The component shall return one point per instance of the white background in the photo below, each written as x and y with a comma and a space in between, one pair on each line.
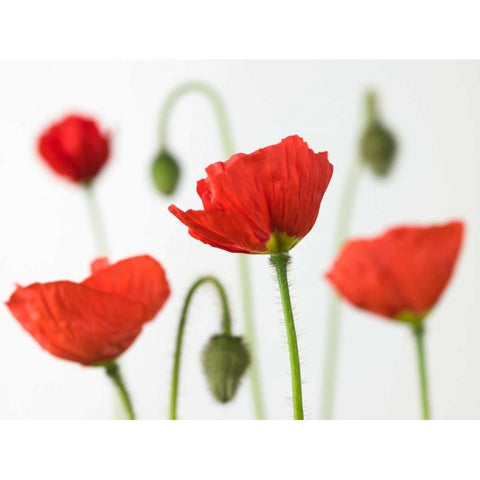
433, 107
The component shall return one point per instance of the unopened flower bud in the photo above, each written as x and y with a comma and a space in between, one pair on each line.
225, 359
165, 173
377, 144
378, 148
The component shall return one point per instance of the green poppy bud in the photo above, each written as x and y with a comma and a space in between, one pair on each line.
165, 173
378, 148
225, 359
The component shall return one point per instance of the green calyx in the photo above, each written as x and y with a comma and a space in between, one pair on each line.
280, 242
165, 173
411, 318
225, 359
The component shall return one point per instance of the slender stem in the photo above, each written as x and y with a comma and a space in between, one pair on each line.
280, 262
217, 104
371, 104
246, 287
243, 263
96, 220
113, 371
226, 328
419, 334
332, 336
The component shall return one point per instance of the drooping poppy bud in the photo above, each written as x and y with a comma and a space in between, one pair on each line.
225, 360
165, 172
262, 202
377, 144
75, 148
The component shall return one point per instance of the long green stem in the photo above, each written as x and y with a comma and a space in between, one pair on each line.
243, 264
96, 221
226, 328
280, 262
332, 337
419, 334
113, 371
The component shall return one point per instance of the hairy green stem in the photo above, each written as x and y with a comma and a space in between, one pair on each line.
280, 262
96, 221
243, 263
419, 335
113, 371
226, 328
332, 337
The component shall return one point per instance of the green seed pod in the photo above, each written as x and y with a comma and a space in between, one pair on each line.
378, 148
165, 173
225, 360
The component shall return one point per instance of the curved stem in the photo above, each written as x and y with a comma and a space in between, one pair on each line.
419, 334
243, 263
113, 371
226, 328
280, 262
332, 336
96, 221
216, 102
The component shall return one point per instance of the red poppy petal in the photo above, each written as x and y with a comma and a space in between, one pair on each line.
52, 153
361, 279
77, 323
99, 264
224, 230
141, 279
430, 253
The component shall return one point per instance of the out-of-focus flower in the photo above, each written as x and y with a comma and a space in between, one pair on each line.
96, 320
400, 274
75, 148
263, 202
165, 173
225, 359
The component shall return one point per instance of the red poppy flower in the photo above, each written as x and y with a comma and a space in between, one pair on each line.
98, 319
400, 274
263, 202
75, 148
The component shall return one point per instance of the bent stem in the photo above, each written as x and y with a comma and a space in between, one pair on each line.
280, 262
419, 334
96, 220
226, 328
213, 97
332, 337
243, 264
113, 371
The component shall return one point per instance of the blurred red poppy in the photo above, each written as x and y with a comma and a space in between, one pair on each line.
75, 148
262, 202
98, 319
400, 274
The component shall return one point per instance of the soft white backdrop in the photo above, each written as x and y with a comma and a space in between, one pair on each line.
434, 108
